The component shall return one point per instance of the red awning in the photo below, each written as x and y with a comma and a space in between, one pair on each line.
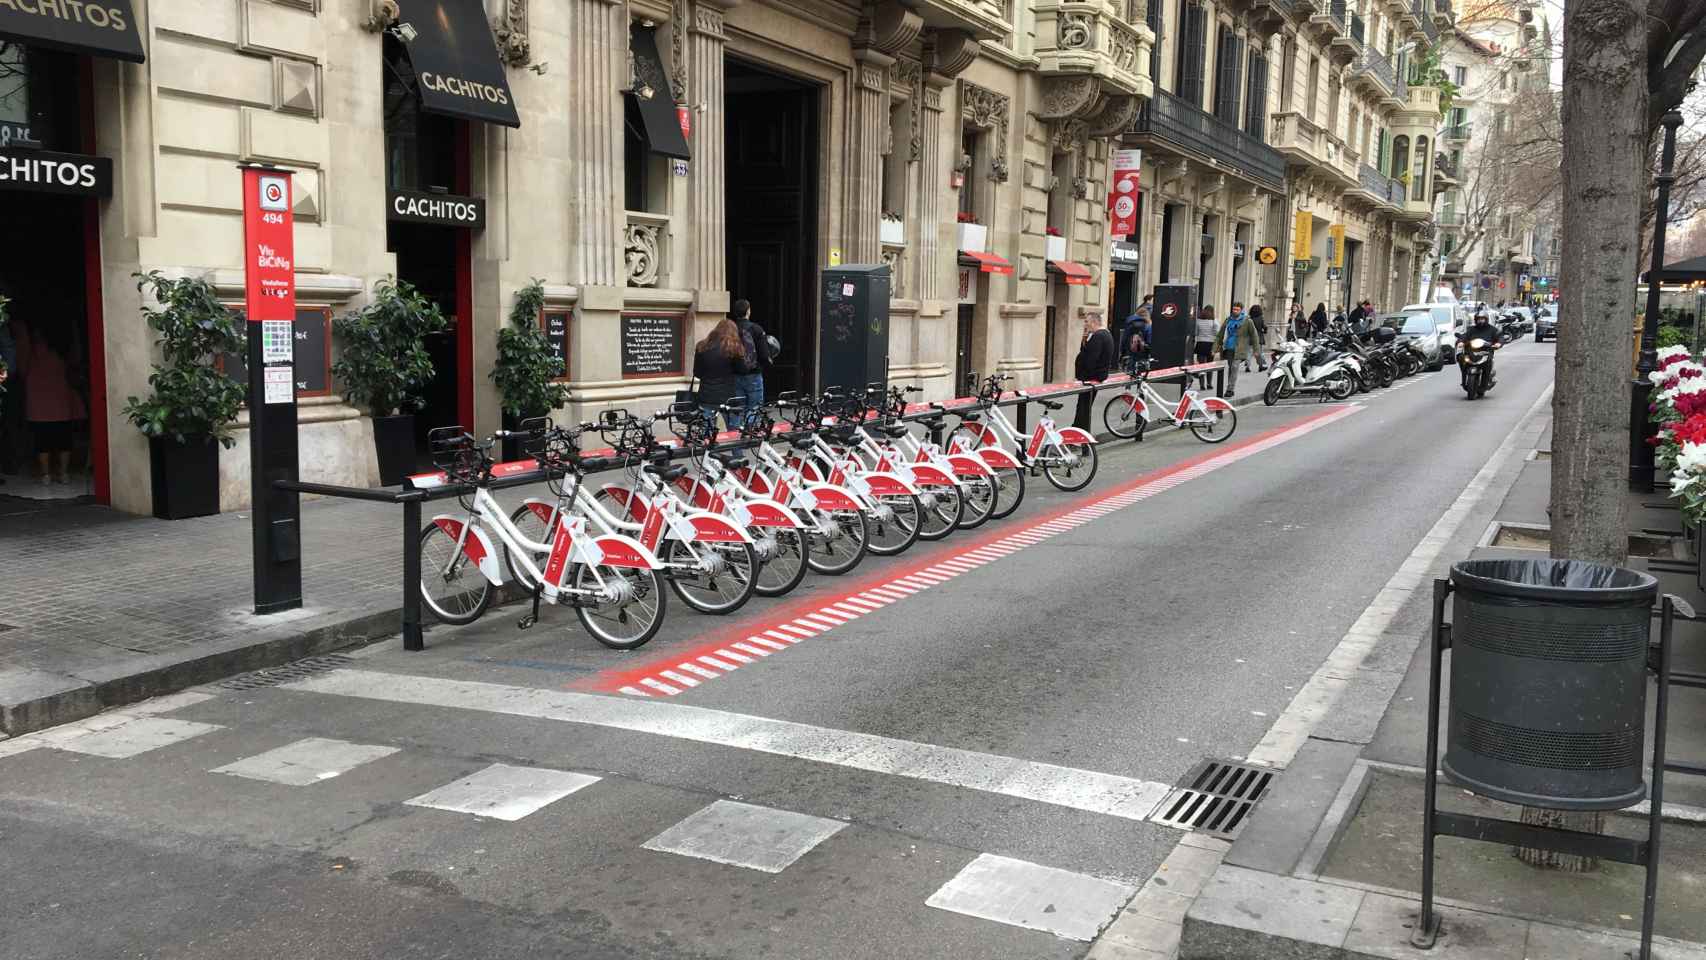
1075, 274
987, 262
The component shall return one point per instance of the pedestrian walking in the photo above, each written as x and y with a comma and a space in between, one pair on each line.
1134, 337
1095, 361
1318, 320
1236, 337
1361, 315
53, 407
1259, 319
1205, 338
1294, 321
757, 341
719, 361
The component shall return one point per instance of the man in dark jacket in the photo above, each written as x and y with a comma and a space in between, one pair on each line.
755, 341
1095, 360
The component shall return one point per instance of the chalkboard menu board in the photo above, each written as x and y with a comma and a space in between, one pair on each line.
556, 327
652, 345
313, 353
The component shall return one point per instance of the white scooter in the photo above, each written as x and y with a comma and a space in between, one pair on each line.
1331, 375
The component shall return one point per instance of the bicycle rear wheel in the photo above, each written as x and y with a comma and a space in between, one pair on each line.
941, 514
841, 549
723, 585
1120, 416
977, 494
785, 566
1075, 469
452, 586
895, 525
622, 607
1009, 491
1225, 422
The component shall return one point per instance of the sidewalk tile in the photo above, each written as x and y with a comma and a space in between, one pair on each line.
305, 761
138, 736
1383, 926
1145, 933
1069, 905
1270, 906
745, 835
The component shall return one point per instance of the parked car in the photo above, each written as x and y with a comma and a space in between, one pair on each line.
1420, 326
1546, 324
1525, 317
1449, 318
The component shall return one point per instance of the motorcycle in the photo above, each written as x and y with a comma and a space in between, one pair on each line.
1310, 367
1475, 358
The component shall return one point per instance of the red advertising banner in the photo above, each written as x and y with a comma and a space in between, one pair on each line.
269, 249
1122, 192
684, 116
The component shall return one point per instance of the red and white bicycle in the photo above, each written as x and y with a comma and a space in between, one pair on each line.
610, 580
1065, 455
1128, 413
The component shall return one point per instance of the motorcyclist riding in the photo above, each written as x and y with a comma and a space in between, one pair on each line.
1481, 328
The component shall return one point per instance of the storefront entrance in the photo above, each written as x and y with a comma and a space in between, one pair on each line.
772, 211
52, 414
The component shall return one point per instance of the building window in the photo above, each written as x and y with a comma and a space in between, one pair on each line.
1368, 139
634, 157
1380, 152
1351, 132
1256, 98
1419, 176
1060, 193
1400, 156
1447, 243
1314, 86
1288, 72
971, 142
1460, 76
1228, 68
1192, 51
1153, 17
894, 165
1333, 106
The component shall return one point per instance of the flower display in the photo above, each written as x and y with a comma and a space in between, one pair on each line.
1679, 408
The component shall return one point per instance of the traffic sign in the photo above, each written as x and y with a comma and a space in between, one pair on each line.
1333, 273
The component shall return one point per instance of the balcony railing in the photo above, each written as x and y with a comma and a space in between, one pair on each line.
1429, 30
1449, 218
1357, 28
1443, 167
1382, 186
1336, 10
1174, 122
1378, 67
1460, 131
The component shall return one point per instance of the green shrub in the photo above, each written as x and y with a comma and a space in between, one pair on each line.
385, 365
527, 367
192, 400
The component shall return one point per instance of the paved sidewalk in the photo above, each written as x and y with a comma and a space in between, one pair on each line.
1328, 865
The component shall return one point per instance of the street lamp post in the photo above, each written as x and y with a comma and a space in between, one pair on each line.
1641, 389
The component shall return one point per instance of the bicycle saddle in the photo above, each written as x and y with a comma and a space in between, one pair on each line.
1051, 404
666, 474
843, 433
895, 430
733, 461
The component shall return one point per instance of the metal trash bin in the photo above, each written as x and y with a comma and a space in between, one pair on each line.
1549, 683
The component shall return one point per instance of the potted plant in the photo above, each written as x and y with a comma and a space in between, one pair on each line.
971, 234
1056, 245
893, 229
189, 412
384, 366
527, 369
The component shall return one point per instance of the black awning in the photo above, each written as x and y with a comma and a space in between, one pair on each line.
657, 111
104, 29
456, 60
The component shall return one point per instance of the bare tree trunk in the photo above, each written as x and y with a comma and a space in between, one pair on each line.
1605, 150
1605, 164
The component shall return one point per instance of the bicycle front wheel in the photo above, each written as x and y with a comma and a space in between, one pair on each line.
894, 523
941, 514
452, 586
1073, 468
1217, 429
1120, 416
622, 607
842, 547
720, 579
1009, 491
977, 497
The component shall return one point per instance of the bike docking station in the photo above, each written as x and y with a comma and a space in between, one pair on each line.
282, 578
269, 303
1548, 707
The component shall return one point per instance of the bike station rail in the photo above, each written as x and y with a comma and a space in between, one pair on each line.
426, 487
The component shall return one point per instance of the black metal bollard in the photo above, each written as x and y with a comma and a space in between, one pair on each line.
412, 639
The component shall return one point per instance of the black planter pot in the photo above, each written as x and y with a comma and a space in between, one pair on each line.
394, 441
512, 447
185, 478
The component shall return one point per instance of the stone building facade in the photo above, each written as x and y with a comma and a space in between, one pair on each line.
802, 123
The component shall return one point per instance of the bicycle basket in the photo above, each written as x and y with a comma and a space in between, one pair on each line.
453, 451
536, 431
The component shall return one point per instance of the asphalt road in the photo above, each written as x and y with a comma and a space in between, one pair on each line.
818, 798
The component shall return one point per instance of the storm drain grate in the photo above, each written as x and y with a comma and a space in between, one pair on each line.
289, 673
1215, 798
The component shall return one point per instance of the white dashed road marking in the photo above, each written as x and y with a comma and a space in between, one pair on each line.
745, 835
1069, 905
503, 792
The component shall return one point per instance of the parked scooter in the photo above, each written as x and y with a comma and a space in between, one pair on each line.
1310, 367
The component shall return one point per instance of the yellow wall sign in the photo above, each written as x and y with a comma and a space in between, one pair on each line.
1303, 223
1336, 245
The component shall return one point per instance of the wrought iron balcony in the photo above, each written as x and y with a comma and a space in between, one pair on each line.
1413, 13
1449, 219
1429, 30
1327, 17
1460, 131
1167, 122
1358, 28
1346, 46
1375, 70
1382, 187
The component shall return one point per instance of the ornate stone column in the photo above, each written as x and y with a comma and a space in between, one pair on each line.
598, 77
706, 218
933, 279
870, 116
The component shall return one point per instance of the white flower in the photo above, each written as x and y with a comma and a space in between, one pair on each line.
1658, 376
1679, 483
1692, 384
1677, 350
1691, 459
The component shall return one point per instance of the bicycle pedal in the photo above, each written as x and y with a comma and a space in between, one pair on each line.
527, 622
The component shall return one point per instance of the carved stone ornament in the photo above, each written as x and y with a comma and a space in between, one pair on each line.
1115, 117
889, 27
895, 259
511, 33
1124, 48
640, 251
708, 20
948, 52
1066, 136
988, 110
678, 49
1072, 96
909, 76
1073, 31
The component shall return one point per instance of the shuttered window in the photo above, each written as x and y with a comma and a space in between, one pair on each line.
1256, 98
1153, 18
1192, 50
1228, 68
